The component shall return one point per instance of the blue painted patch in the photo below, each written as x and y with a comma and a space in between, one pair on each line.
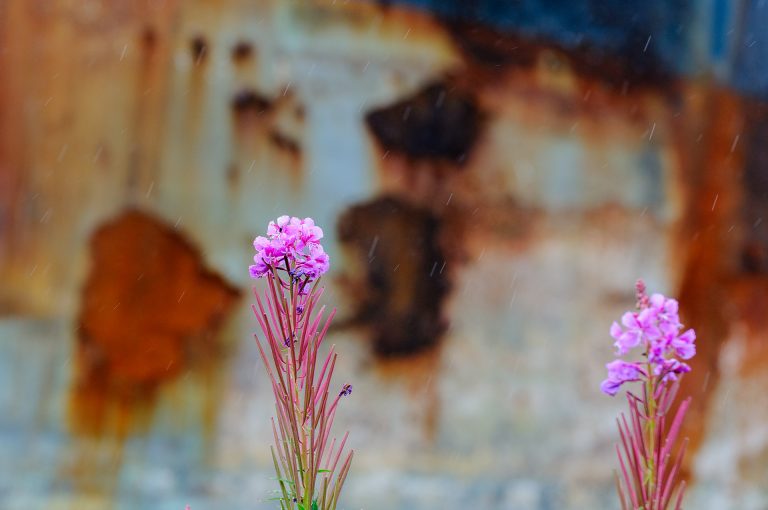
749, 72
681, 36
622, 26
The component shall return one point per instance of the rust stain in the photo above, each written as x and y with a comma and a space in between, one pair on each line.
233, 176
419, 373
625, 70
198, 45
150, 312
242, 52
750, 302
14, 158
249, 104
401, 279
712, 252
754, 256
285, 143
152, 91
438, 122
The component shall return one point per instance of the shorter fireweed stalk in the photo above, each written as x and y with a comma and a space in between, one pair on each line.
310, 466
650, 469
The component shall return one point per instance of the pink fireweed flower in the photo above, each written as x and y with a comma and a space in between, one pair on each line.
669, 369
315, 264
640, 327
308, 232
292, 245
683, 345
649, 475
620, 372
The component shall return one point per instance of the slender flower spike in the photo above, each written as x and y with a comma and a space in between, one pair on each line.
311, 466
650, 472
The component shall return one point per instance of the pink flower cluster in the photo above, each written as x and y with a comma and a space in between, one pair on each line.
656, 328
292, 245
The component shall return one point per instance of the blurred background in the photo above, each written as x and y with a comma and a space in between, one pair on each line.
492, 177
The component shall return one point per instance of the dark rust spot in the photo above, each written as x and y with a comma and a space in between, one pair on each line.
284, 142
150, 312
149, 38
488, 47
242, 52
402, 281
233, 176
250, 102
631, 66
755, 182
199, 48
438, 122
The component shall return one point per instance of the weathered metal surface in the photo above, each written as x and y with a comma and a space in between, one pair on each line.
488, 199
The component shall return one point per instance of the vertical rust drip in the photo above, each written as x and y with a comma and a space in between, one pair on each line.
154, 40
12, 140
712, 252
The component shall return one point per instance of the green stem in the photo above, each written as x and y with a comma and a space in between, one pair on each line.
651, 431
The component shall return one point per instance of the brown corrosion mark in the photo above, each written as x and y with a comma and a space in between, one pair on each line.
242, 52
437, 123
150, 312
629, 67
148, 38
249, 103
754, 256
713, 254
199, 47
233, 176
399, 278
285, 142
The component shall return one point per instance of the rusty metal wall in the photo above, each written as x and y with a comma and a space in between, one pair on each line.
491, 182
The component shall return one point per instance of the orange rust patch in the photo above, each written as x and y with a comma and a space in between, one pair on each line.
706, 305
150, 312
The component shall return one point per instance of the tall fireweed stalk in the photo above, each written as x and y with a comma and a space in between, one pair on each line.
311, 466
648, 459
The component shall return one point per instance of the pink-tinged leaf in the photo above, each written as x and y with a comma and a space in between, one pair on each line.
630, 485
619, 489
669, 485
679, 501
676, 424
325, 378
636, 460
637, 428
338, 454
341, 479
626, 441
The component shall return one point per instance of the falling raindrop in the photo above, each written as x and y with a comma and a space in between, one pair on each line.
735, 141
